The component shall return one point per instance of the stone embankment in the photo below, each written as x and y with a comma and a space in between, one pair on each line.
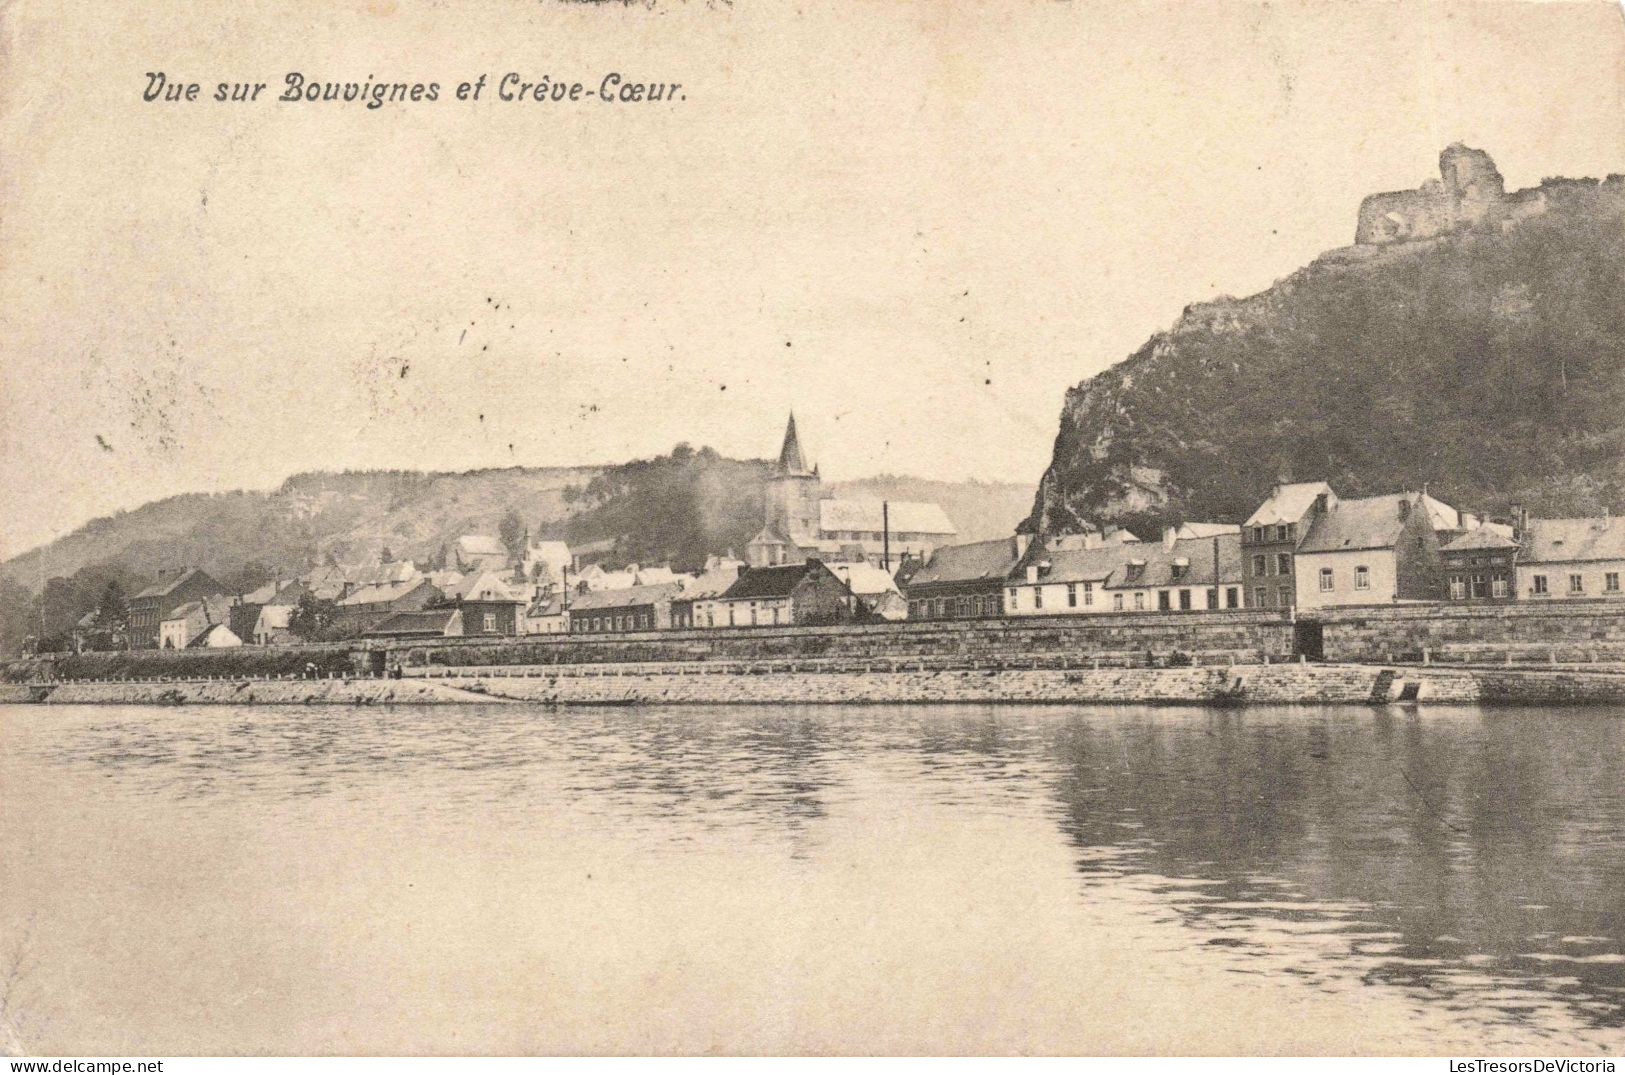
256, 692
678, 684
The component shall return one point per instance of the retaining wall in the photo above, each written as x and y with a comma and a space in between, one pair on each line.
1566, 631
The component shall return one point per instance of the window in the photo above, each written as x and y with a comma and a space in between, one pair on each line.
1481, 586
1362, 578
1232, 597
1258, 534
490, 621
1180, 570
1326, 580
1458, 588
1498, 587
1283, 563
1283, 532
1071, 595
1088, 593
1117, 602
1261, 597
1610, 582
730, 615
1164, 601
1260, 564
1538, 585
1577, 584
1038, 597
1184, 600
1139, 601
1013, 603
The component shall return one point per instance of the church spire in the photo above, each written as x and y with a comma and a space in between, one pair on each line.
790, 458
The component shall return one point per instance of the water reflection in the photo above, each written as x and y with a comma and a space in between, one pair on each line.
1473, 860
1470, 862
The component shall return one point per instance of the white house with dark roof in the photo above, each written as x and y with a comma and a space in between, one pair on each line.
1572, 559
1374, 550
1190, 574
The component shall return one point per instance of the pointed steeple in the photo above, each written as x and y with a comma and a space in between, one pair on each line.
790, 458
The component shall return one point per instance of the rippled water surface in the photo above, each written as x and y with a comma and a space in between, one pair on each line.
875, 879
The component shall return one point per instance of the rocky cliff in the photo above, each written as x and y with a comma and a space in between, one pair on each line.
1478, 351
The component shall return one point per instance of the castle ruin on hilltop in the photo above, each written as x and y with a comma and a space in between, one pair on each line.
1468, 193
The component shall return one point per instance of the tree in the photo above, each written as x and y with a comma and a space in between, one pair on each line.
512, 533
312, 617
251, 576
113, 610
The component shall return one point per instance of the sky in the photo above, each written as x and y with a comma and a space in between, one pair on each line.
915, 224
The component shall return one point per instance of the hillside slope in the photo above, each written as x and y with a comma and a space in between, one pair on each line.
1487, 363
679, 507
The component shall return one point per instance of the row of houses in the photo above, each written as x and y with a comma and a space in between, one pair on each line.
1304, 548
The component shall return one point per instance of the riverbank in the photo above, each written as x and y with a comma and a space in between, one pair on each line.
680, 684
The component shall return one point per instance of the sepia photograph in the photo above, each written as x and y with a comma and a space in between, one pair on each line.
690, 528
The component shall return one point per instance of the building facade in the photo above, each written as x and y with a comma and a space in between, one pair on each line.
150, 607
961, 582
637, 608
1372, 551
1270, 538
805, 594
1572, 560
1481, 565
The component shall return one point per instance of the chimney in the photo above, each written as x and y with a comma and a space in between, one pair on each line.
1019, 545
1404, 507
1170, 535
1032, 573
1320, 503
1461, 519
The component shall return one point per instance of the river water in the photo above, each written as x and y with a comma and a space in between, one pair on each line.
875, 879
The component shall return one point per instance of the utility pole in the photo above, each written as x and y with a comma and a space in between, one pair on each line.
885, 534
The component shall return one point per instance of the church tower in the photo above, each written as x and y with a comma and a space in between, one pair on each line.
793, 492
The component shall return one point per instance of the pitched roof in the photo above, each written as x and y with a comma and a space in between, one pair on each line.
710, 584
1445, 517
486, 586
1287, 503
790, 457
275, 593
1372, 522
1207, 530
967, 563
865, 579
626, 598
1487, 536
429, 621
546, 606
480, 545
382, 592
213, 610
164, 589
770, 582
202, 639
905, 516
1570, 540
261, 595
1142, 565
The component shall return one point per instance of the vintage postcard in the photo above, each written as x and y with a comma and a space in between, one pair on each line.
911, 527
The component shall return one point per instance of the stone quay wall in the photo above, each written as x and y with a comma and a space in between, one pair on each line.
705, 684
1565, 632
1218, 638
